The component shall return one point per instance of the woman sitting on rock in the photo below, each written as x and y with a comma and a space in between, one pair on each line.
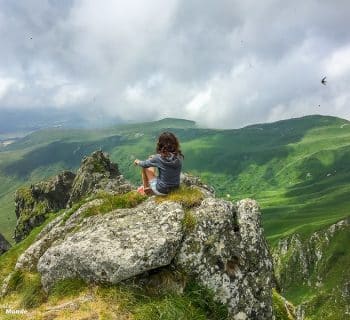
168, 160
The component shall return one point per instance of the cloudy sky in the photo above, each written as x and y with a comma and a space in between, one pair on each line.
222, 63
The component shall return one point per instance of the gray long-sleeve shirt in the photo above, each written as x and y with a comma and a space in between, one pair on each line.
169, 170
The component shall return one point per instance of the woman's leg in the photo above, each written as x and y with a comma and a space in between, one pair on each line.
147, 175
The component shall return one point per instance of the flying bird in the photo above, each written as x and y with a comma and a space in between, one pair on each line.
323, 81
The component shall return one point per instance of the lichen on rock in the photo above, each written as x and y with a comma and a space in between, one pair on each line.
116, 246
227, 252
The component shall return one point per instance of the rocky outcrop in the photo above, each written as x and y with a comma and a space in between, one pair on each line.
4, 244
97, 172
33, 204
223, 248
227, 252
305, 255
194, 181
308, 262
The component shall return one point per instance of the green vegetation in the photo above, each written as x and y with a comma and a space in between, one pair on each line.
281, 310
138, 302
28, 286
9, 258
32, 211
111, 202
73, 209
195, 303
188, 197
328, 300
67, 288
189, 221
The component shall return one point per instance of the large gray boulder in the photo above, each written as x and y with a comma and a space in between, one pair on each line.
4, 244
116, 246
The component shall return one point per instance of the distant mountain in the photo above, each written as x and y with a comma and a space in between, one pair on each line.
15, 122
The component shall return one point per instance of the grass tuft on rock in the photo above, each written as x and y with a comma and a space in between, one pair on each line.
115, 201
188, 197
195, 303
189, 221
28, 286
281, 310
169, 307
203, 298
33, 295
67, 288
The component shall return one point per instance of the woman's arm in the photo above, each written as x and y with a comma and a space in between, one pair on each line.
153, 161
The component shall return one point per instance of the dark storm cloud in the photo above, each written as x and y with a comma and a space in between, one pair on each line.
223, 63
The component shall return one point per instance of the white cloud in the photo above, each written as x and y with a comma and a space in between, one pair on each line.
134, 93
197, 104
338, 64
224, 64
70, 94
5, 84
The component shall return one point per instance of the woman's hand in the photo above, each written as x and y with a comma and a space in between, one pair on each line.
136, 162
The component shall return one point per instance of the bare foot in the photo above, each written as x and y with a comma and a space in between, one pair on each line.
148, 191
141, 190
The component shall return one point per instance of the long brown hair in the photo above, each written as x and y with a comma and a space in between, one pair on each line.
168, 143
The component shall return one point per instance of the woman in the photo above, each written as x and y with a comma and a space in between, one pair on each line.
168, 160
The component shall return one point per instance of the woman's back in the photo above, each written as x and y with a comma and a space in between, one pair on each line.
168, 160
169, 170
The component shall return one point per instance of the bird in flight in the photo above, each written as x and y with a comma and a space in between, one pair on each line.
323, 81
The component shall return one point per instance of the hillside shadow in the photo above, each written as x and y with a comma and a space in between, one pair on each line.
68, 153
318, 176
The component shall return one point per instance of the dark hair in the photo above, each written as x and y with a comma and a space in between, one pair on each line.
168, 143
